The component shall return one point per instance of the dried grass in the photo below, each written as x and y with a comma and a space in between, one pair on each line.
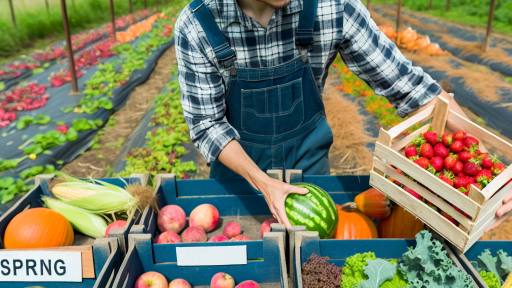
145, 196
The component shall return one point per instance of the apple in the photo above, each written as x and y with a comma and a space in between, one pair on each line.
168, 237
248, 284
240, 238
171, 218
115, 225
265, 227
193, 234
222, 280
232, 229
151, 280
205, 216
179, 283
218, 238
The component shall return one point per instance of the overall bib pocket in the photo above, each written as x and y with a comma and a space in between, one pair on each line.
273, 110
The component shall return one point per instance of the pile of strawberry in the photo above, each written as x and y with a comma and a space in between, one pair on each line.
455, 158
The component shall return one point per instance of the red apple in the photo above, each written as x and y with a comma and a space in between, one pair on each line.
151, 280
265, 227
240, 238
232, 229
248, 284
222, 280
205, 216
115, 225
168, 237
179, 283
193, 234
171, 218
218, 238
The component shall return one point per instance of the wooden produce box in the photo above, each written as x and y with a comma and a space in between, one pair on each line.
481, 206
337, 251
266, 262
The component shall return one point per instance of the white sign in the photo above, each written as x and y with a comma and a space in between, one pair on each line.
40, 266
211, 255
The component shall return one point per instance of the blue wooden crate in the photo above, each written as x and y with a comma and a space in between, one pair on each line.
265, 262
476, 250
307, 243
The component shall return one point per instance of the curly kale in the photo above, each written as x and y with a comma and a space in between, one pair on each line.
490, 279
353, 271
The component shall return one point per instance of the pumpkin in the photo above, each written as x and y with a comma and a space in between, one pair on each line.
353, 224
372, 203
400, 224
38, 228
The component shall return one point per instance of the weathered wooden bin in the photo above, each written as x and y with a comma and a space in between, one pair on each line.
481, 206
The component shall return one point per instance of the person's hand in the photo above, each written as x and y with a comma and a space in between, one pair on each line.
275, 193
504, 212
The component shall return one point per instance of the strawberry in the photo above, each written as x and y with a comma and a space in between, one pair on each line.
459, 135
478, 152
460, 181
457, 146
484, 177
446, 180
431, 137
449, 218
477, 186
487, 161
441, 151
447, 139
471, 143
434, 207
426, 150
464, 191
418, 141
413, 193
411, 151
460, 211
498, 168
471, 168
457, 169
437, 163
464, 156
422, 162
450, 161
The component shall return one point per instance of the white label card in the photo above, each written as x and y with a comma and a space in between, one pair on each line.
40, 266
212, 255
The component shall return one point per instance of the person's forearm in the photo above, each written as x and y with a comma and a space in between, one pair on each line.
236, 159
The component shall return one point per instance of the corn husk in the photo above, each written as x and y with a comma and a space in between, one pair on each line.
82, 221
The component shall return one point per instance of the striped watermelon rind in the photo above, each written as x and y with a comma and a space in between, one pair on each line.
315, 210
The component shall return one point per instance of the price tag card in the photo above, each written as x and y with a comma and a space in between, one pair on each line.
40, 266
212, 255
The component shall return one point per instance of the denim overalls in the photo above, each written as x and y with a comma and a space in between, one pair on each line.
277, 111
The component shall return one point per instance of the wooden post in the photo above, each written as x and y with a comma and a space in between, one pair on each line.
113, 18
447, 5
47, 6
131, 6
12, 14
368, 5
68, 46
430, 5
399, 12
145, 4
489, 25
156, 4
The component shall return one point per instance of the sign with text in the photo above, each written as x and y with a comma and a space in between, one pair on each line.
211, 255
40, 266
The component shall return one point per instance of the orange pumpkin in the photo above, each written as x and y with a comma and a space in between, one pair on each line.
400, 224
38, 228
373, 204
353, 224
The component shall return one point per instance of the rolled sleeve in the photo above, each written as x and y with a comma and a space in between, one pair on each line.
202, 92
377, 61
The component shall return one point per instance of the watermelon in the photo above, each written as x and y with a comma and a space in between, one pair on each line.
315, 210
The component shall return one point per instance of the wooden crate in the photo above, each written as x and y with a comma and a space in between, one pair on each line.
470, 257
307, 243
481, 206
266, 262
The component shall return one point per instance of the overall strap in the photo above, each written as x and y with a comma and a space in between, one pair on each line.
306, 23
219, 43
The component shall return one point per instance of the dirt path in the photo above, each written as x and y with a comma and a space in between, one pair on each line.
97, 162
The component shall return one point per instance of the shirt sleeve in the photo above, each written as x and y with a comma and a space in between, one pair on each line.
202, 92
377, 61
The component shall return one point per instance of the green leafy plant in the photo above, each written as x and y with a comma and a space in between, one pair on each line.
9, 187
10, 163
36, 170
84, 124
40, 119
499, 266
378, 271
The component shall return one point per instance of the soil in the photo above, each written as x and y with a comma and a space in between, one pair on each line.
97, 162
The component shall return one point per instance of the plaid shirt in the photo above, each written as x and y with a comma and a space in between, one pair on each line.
341, 26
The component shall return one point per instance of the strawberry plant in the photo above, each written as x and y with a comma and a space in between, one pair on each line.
63, 76
28, 97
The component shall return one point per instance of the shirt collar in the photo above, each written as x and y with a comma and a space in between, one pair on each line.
238, 16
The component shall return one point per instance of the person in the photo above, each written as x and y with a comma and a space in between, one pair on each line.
252, 72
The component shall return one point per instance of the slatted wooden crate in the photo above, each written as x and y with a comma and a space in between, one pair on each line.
101, 258
266, 262
481, 206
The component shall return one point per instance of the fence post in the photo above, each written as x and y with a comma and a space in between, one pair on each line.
368, 5
47, 6
113, 18
12, 14
131, 6
145, 4
447, 5
489, 25
71, 59
430, 5
156, 4
398, 15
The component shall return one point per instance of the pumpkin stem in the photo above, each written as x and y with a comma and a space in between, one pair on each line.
349, 207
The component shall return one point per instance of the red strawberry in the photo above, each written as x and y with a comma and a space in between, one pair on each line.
441, 151
411, 151
460, 181
487, 162
431, 137
418, 141
457, 169
484, 177
459, 135
422, 162
478, 152
478, 186
457, 146
471, 168
464, 191
498, 168
471, 143
449, 218
464, 156
446, 180
450, 161
434, 207
447, 139
413, 193
426, 150
437, 163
